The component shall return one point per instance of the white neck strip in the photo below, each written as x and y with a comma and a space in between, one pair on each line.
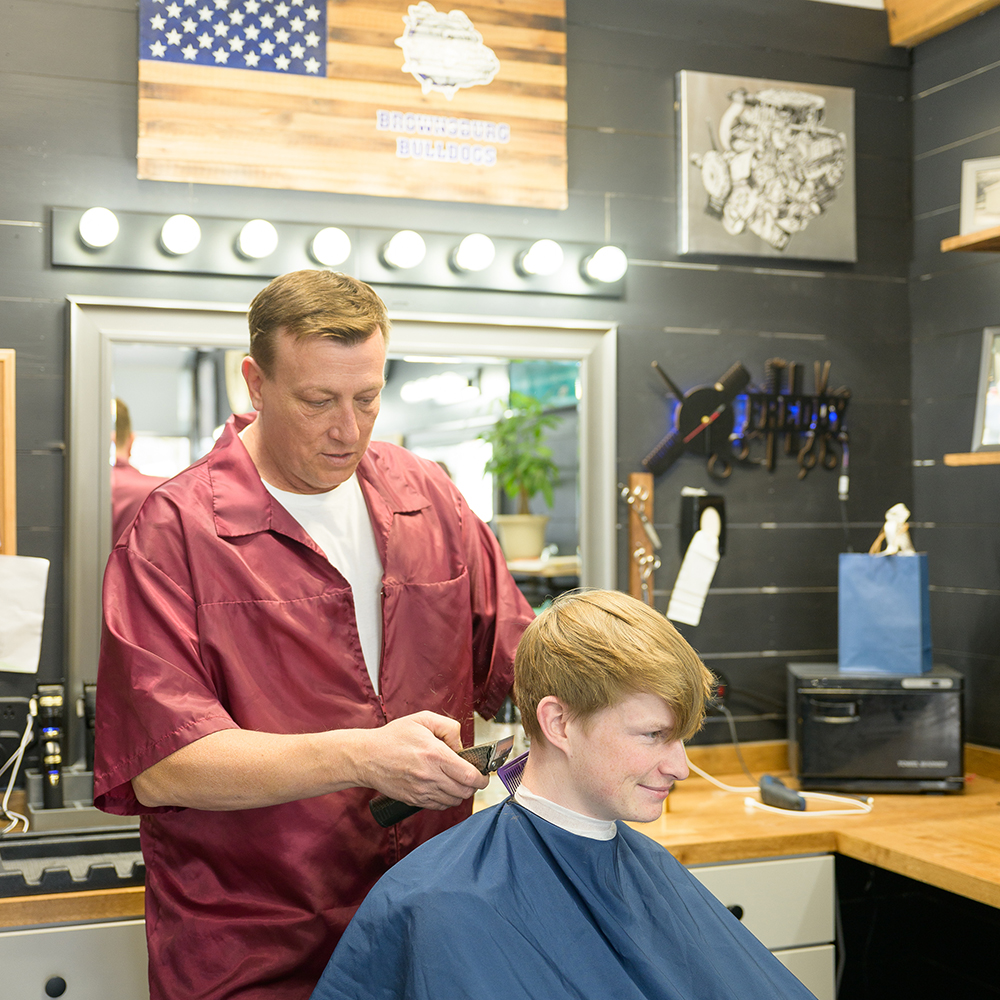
566, 819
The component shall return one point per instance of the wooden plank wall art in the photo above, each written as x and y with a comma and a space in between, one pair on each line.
373, 97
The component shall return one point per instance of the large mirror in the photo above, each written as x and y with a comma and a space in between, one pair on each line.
112, 341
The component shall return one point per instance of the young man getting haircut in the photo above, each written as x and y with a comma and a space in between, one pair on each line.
548, 894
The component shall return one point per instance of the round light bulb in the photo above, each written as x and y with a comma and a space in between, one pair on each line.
180, 235
330, 246
98, 228
405, 250
257, 239
607, 264
475, 253
544, 257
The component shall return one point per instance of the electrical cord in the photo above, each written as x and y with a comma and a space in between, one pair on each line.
736, 743
14, 762
857, 805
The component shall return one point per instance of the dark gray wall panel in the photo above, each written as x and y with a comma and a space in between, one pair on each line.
83, 117
941, 426
958, 300
958, 557
67, 137
965, 496
952, 298
947, 365
86, 41
816, 29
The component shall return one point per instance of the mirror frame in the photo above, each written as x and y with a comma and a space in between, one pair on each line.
97, 324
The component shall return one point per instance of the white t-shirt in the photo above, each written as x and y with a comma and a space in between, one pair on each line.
566, 819
338, 522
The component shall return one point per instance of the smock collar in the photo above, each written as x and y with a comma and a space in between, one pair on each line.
242, 506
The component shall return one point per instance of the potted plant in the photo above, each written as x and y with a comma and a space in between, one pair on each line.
524, 468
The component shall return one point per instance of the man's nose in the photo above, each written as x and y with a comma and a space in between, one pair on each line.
675, 760
344, 426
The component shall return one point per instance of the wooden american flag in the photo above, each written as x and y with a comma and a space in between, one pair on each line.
374, 97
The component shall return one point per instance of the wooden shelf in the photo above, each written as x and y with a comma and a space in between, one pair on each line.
914, 21
984, 239
973, 458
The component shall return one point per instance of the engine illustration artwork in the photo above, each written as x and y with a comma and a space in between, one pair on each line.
774, 166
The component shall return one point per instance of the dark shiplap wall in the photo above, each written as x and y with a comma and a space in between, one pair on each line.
67, 137
956, 114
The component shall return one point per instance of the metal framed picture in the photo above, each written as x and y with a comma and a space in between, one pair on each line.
980, 201
986, 428
765, 168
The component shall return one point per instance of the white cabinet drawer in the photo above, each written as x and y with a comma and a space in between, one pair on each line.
785, 902
813, 967
104, 961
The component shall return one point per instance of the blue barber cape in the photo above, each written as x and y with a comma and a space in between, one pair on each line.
507, 905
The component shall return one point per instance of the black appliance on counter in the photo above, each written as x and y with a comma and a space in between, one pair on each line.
853, 732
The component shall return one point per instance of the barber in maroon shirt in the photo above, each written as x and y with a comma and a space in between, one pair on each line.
238, 712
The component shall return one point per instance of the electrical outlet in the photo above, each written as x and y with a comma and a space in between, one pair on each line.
13, 720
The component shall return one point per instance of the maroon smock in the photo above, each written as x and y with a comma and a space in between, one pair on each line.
221, 613
129, 487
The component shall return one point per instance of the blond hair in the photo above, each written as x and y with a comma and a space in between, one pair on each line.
592, 648
123, 423
313, 304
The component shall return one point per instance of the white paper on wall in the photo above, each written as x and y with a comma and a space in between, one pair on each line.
22, 609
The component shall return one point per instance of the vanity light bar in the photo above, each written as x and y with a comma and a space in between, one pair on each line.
149, 241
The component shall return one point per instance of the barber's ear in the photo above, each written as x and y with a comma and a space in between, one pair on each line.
253, 377
553, 718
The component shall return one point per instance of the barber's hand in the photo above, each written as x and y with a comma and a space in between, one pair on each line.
413, 759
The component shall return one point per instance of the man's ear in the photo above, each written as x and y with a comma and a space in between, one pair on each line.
253, 377
553, 717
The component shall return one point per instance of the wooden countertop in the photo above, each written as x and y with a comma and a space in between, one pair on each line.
951, 841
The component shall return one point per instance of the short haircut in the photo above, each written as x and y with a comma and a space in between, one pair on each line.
592, 648
313, 304
123, 424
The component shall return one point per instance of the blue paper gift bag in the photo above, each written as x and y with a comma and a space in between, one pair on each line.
884, 618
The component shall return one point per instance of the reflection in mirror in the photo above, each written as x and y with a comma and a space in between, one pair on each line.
179, 397
438, 408
195, 336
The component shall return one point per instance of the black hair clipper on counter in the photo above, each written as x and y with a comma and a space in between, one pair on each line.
485, 758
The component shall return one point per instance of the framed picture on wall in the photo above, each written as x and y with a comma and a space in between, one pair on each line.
980, 201
765, 168
986, 429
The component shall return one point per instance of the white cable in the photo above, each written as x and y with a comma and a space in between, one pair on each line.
715, 781
15, 759
862, 807
857, 805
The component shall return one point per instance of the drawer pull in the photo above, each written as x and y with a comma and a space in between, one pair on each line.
736, 910
55, 987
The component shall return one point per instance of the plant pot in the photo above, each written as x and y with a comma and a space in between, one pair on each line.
522, 536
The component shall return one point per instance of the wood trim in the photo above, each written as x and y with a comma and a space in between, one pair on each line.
982, 239
761, 757
8, 455
984, 761
73, 907
914, 21
972, 458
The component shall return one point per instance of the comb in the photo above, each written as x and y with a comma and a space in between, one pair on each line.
510, 773
485, 758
